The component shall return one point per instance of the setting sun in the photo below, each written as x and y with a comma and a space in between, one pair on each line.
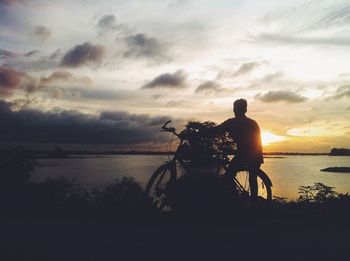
268, 137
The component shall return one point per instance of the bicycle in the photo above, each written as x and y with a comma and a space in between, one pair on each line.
165, 176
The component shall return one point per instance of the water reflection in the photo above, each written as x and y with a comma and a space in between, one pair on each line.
287, 173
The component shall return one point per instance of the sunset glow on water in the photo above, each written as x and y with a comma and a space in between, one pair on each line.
287, 173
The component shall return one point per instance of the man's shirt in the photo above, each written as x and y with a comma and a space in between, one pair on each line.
246, 134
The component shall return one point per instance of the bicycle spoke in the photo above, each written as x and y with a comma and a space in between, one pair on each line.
158, 187
247, 178
238, 185
242, 185
161, 178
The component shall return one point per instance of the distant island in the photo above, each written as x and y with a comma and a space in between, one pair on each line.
337, 169
340, 152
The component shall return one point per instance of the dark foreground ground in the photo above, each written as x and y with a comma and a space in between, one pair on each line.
50, 239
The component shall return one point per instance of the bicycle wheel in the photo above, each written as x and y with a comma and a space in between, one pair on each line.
158, 184
241, 180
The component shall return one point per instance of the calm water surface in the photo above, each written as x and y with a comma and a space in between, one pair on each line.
287, 173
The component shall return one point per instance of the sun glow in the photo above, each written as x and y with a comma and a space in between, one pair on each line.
268, 137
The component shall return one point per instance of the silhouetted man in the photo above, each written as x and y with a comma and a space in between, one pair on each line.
246, 134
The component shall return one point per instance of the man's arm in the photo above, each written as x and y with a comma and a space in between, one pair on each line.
215, 130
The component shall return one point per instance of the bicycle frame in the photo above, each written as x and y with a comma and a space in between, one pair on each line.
177, 155
222, 165
177, 158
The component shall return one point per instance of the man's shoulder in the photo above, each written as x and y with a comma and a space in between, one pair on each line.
245, 118
239, 121
252, 123
228, 122
251, 120
245, 121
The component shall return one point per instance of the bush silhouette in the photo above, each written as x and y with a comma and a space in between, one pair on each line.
16, 167
60, 197
317, 193
205, 193
119, 200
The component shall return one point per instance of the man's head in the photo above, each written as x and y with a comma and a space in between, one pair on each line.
240, 107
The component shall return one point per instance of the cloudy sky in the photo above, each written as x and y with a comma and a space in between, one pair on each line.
109, 73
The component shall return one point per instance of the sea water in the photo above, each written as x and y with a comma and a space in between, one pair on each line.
287, 173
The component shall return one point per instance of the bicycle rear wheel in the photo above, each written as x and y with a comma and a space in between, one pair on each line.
158, 185
241, 180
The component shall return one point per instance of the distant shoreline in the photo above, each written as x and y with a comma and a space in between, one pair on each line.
63, 154
79, 154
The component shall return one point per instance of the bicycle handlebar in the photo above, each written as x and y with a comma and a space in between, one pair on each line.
165, 128
165, 124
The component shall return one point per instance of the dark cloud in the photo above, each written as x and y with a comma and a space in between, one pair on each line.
246, 68
266, 79
62, 126
277, 96
342, 91
10, 2
29, 61
141, 45
83, 54
271, 77
176, 80
209, 87
32, 53
42, 32
243, 69
126, 118
109, 23
90, 94
22, 103
12, 79
4, 54
104, 94
175, 103
60, 77
56, 54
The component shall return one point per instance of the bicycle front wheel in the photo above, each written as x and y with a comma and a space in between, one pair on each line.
158, 185
241, 180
